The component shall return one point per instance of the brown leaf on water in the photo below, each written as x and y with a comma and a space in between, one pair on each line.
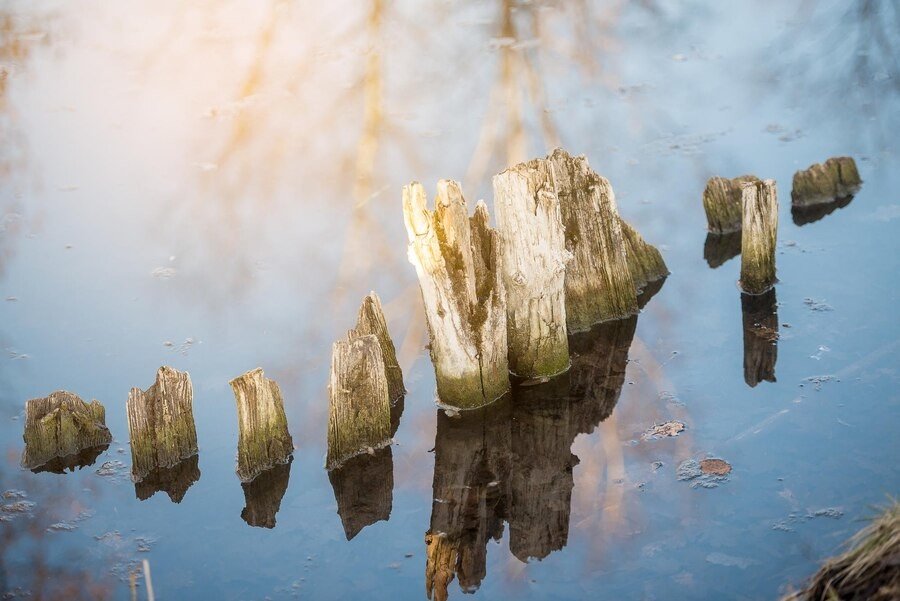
715, 467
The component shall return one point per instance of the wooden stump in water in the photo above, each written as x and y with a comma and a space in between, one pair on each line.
263, 437
371, 321
825, 183
161, 423
457, 260
359, 412
534, 268
722, 203
60, 428
262, 496
174, 481
364, 490
598, 282
759, 234
760, 320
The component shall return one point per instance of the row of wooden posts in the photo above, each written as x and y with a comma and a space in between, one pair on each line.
498, 302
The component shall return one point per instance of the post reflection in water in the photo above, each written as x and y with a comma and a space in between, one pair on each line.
174, 481
720, 248
813, 213
512, 461
263, 495
760, 317
81, 459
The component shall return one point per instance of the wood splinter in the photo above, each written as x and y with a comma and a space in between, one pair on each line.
457, 260
534, 268
359, 412
263, 437
59, 428
161, 423
759, 234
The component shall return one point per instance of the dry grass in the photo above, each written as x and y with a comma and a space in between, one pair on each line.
869, 570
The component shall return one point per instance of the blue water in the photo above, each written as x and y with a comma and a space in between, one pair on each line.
226, 179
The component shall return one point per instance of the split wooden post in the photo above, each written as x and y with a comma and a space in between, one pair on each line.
534, 268
759, 234
263, 437
598, 282
457, 260
824, 183
359, 412
371, 321
60, 426
722, 203
161, 423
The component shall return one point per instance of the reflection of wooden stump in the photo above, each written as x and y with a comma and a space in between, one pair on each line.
534, 268
758, 237
263, 437
262, 496
645, 262
824, 183
803, 215
364, 488
722, 203
174, 481
471, 467
63, 429
161, 423
760, 317
83, 458
541, 473
720, 248
457, 260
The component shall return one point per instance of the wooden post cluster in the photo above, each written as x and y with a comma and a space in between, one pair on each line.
759, 234
161, 423
457, 260
59, 427
263, 437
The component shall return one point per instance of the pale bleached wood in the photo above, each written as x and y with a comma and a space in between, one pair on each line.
62, 425
823, 183
457, 260
263, 437
598, 282
759, 234
161, 423
371, 321
534, 267
359, 412
722, 203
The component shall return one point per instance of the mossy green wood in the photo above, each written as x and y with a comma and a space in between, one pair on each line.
359, 411
371, 321
534, 267
722, 203
822, 183
161, 423
60, 425
457, 260
263, 437
759, 235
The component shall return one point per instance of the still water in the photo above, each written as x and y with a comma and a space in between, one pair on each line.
215, 187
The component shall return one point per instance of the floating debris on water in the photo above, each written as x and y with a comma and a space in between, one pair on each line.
164, 273
817, 381
821, 350
670, 399
707, 473
668, 429
786, 525
721, 559
656, 465
113, 469
17, 504
61, 527
817, 305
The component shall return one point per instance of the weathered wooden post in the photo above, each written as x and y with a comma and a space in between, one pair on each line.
534, 268
59, 429
598, 282
359, 412
722, 203
262, 496
758, 238
161, 423
263, 437
457, 260
760, 320
371, 321
824, 183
